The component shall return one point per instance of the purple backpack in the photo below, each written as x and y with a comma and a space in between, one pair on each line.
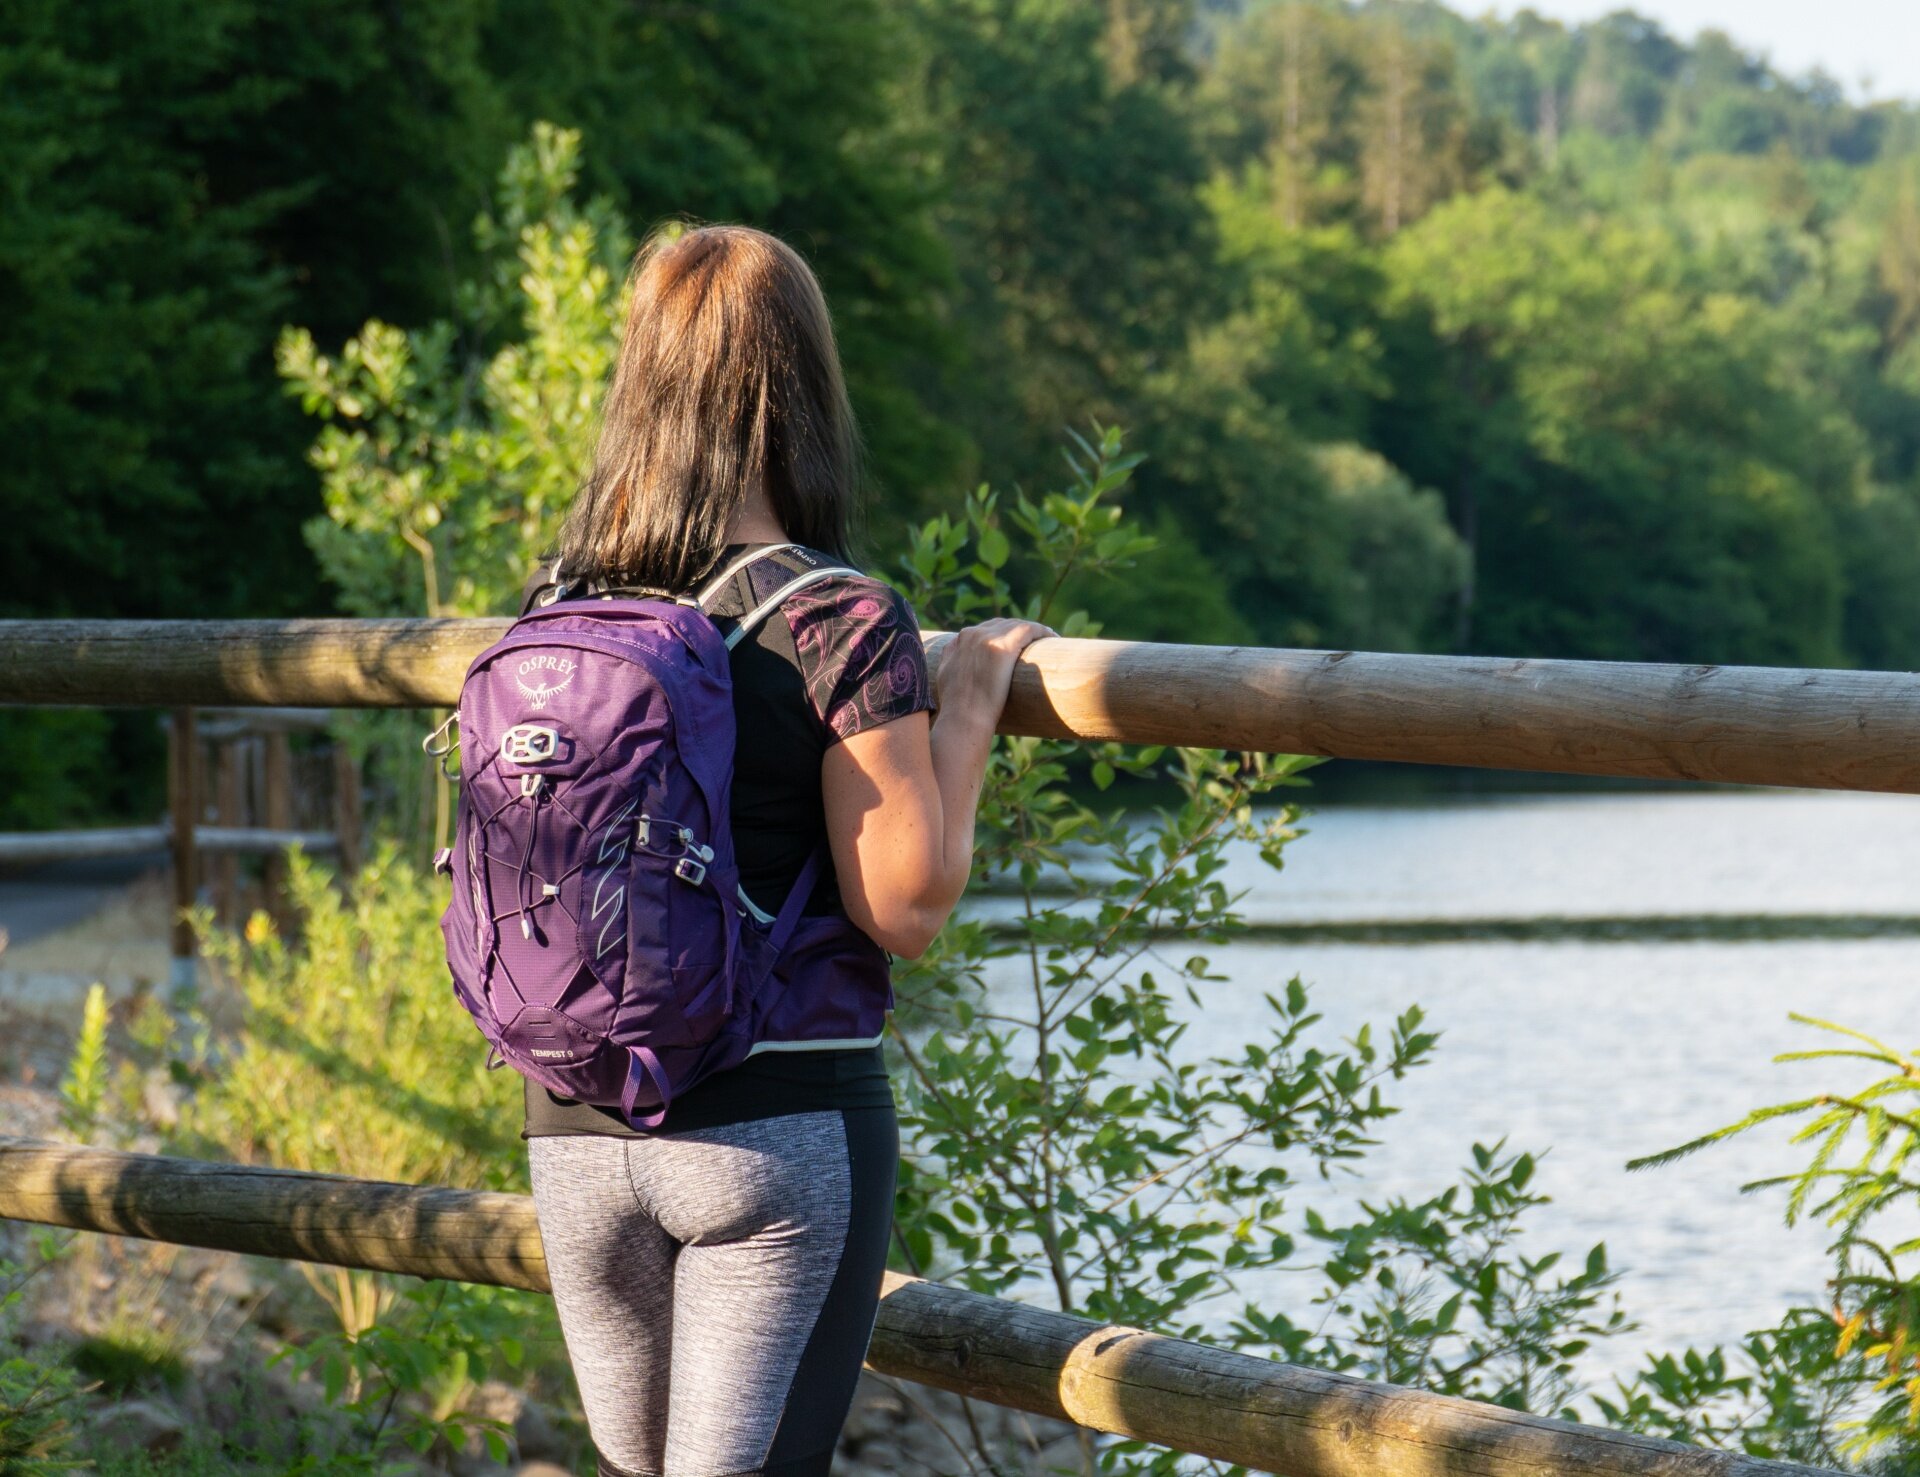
597, 932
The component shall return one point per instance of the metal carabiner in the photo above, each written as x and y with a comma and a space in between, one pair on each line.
441, 743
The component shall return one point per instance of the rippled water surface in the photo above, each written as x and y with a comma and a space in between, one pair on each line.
1599, 1052
1583, 855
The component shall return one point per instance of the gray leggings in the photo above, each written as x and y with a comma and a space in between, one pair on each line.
717, 1286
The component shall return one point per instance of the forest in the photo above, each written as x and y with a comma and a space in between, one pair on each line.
1435, 333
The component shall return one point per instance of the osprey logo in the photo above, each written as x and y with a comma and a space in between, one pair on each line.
534, 674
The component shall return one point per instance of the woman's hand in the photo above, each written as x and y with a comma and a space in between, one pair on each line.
901, 798
976, 667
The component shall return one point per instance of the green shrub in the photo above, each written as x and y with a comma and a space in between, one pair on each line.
1061, 1140
131, 1353
38, 1400
351, 1055
83, 1091
1836, 1383
36, 1416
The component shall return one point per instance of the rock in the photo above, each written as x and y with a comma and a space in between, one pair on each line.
232, 1280
535, 1436
160, 1098
141, 1425
476, 1464
44, 1333
888, 1434
492, 1401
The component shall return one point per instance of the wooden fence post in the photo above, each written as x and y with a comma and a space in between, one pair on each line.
347, 815
276, 784
183, 809
228, 811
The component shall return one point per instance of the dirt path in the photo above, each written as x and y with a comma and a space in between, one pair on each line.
44, 900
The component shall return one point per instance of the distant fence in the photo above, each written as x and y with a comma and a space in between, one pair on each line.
238, 764
19, 848
1175, 1393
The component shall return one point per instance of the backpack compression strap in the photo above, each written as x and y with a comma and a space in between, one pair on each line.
642, 1064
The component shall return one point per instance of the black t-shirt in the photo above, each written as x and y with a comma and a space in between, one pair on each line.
838, 657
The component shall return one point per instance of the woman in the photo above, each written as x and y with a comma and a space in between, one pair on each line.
717, 1277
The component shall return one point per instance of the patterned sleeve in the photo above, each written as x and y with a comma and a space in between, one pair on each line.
860, 655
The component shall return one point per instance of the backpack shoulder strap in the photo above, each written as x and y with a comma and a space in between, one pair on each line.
705, 594
549, 587
810, 573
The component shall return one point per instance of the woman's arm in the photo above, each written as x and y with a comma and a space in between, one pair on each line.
901, 797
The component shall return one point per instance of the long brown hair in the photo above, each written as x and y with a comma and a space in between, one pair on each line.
728, 378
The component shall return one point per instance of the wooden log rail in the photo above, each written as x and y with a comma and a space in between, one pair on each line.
1742, 725
21, 848
1190, 1397
30, 848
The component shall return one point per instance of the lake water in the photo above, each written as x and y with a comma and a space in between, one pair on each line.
1597, 1052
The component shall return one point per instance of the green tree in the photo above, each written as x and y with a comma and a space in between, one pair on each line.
1147, 41
140, 308
1675, 498
1411, 127
1626, 65
1897, 264
145, 448
1067, 198
1277, 99
1353, 114
1253, 430
797, 116
445, 460
1880, 530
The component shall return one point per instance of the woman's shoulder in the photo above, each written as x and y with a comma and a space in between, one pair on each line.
859, 651
848, 594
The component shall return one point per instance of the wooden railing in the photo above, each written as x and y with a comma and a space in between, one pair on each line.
1188, 1396
1741, 725
248, 819
1762, 726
